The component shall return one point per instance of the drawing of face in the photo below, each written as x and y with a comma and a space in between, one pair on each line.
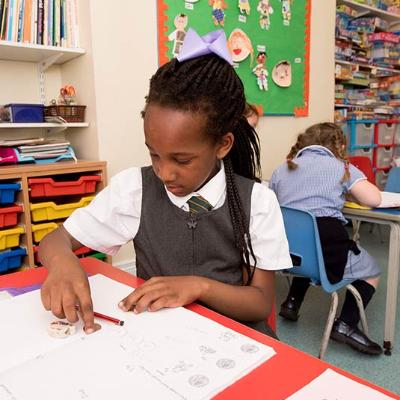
180, 22
239, 45
282, 74
261, 58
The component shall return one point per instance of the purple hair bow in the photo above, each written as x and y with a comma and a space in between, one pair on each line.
195, 45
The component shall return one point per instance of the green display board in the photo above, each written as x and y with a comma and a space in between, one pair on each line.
280, 28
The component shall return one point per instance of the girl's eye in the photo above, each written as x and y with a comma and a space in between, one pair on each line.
153, 155
183, 162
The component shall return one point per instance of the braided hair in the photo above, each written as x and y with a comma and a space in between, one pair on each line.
325, 134
209, 86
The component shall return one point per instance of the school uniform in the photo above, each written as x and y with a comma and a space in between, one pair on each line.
315, 186
168, 239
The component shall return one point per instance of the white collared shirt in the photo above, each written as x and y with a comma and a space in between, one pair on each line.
113, 217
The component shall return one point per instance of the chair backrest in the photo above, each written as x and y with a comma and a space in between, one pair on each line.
304, 243
393, 181
364, 165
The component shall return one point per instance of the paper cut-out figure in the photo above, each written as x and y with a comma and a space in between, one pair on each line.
286, 11
178, 35
282, 74
265, 9
261, 72
218, 12
239, 45
244, 6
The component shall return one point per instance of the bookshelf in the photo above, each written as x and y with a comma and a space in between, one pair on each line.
27, 73
26, 52
366, 10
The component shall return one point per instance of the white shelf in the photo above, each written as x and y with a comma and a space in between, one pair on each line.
364, 10
392, 70
26, 52
43, 125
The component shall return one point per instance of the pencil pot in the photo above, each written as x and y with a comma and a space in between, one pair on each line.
71, 113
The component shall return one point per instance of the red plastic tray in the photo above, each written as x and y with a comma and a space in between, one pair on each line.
8, 215
47, 187
79, 252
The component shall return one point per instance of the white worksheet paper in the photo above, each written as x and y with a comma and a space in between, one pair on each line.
331, 385
169, 354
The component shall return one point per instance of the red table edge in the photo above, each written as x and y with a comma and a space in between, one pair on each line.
255, 385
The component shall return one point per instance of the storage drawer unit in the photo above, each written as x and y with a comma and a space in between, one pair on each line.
383, 157
11, 259
41, 230
10, 237
47, 187
49, 211
384, 133
9, 216
8, 192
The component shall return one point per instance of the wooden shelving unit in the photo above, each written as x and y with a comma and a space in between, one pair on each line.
44, 125
21, 173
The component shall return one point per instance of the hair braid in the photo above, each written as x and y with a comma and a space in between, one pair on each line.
210, 86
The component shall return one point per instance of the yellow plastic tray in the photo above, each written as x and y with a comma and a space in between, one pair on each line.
49, 210
41, 230
10, 237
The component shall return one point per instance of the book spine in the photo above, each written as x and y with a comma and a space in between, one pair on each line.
50, 24
62, 22
34, 22
14, 35
69, 24
27, 21
10, 20
4, 21
20, 30
45, 26
40, 22
75, 23
1, 13
57, 23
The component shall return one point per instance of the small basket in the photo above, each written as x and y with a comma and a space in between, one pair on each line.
70, 113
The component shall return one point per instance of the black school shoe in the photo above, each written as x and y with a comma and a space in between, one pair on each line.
290, 309
354, 337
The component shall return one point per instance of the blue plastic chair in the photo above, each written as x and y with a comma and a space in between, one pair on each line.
304, 243
393, 181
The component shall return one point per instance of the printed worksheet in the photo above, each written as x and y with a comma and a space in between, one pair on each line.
169, 354
331, 385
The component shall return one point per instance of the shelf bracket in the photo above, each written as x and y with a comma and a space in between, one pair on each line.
43, 66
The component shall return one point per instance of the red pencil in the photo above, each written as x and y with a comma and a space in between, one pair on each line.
106, 317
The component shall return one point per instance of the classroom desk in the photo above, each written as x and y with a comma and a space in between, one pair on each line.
287, 372
392, 219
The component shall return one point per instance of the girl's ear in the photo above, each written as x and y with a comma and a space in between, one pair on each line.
225, 145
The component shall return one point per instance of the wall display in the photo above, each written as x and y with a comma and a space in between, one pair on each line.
269, 42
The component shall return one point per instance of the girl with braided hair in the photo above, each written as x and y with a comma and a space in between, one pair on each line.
203, 226
316, 177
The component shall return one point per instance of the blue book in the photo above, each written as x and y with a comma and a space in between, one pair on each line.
50, 18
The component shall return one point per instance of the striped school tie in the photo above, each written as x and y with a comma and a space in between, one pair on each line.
198, 204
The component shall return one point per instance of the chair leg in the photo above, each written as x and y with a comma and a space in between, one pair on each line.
328, 325
356, 229
360, 305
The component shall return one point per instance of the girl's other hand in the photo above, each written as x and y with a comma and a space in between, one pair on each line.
164, 292
65, 288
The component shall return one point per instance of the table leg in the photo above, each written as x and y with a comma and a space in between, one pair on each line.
392, 283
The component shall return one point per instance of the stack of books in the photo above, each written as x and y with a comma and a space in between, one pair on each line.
39, 150
45, 22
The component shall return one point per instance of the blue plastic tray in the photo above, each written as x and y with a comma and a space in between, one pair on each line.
11, 259
26, 112
7, 192
69, 156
